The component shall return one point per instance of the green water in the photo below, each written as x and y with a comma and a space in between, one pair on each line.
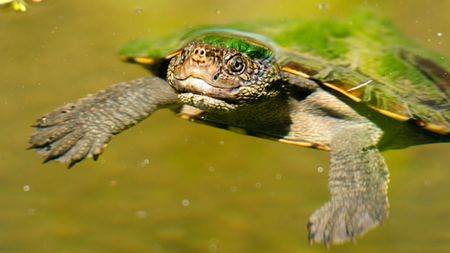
169, 185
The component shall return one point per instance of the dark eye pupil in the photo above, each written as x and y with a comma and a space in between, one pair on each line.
237, 64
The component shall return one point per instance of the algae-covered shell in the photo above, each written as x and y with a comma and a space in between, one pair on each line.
364, 58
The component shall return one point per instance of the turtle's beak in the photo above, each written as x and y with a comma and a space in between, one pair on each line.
199, 86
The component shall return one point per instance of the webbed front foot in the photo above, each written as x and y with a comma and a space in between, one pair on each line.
338, 221
82, 129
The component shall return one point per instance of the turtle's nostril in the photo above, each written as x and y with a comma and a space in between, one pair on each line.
200, 52
199, 55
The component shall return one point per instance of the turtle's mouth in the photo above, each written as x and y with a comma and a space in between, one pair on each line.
199, 86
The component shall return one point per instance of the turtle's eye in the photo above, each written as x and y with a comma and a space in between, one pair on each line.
236, 64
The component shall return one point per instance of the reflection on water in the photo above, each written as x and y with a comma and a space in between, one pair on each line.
172, 186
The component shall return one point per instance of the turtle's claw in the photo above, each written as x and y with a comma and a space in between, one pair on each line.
64, 135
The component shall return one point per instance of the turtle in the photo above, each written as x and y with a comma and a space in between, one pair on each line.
353, 86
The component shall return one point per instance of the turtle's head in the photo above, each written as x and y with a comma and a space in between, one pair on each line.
223, 73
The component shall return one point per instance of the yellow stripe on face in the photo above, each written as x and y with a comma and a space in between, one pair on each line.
296, 72
171, 55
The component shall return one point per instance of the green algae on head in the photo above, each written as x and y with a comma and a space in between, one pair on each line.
241, 45
252, 45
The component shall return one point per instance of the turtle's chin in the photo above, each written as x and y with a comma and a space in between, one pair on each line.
199, 93
201, 87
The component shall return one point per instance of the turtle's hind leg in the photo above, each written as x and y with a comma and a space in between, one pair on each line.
358, 180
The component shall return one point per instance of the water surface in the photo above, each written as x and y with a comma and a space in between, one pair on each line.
169, 185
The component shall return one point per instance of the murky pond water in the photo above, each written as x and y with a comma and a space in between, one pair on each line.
169, 185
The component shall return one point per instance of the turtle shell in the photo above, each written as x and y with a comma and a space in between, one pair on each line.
363, 58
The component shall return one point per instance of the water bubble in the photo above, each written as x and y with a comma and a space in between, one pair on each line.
320, 169
54, 30
213, 245
211, 169
26, 188
113, 183
439, 34
145, 162
31, 211
141, 214
322, 6
221, 142
185, 202
278, 176
157, 248
138, 11
258, 185
233, 188
212, 248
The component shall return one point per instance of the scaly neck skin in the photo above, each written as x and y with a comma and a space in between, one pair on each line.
298, 113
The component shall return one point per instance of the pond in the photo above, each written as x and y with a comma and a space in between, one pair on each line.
169, 185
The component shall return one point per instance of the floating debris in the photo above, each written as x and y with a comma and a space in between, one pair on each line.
145, 162
360, 85
185, 202
26, 188
139, 10
17, 5
322, 6
141, 214
320, 169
